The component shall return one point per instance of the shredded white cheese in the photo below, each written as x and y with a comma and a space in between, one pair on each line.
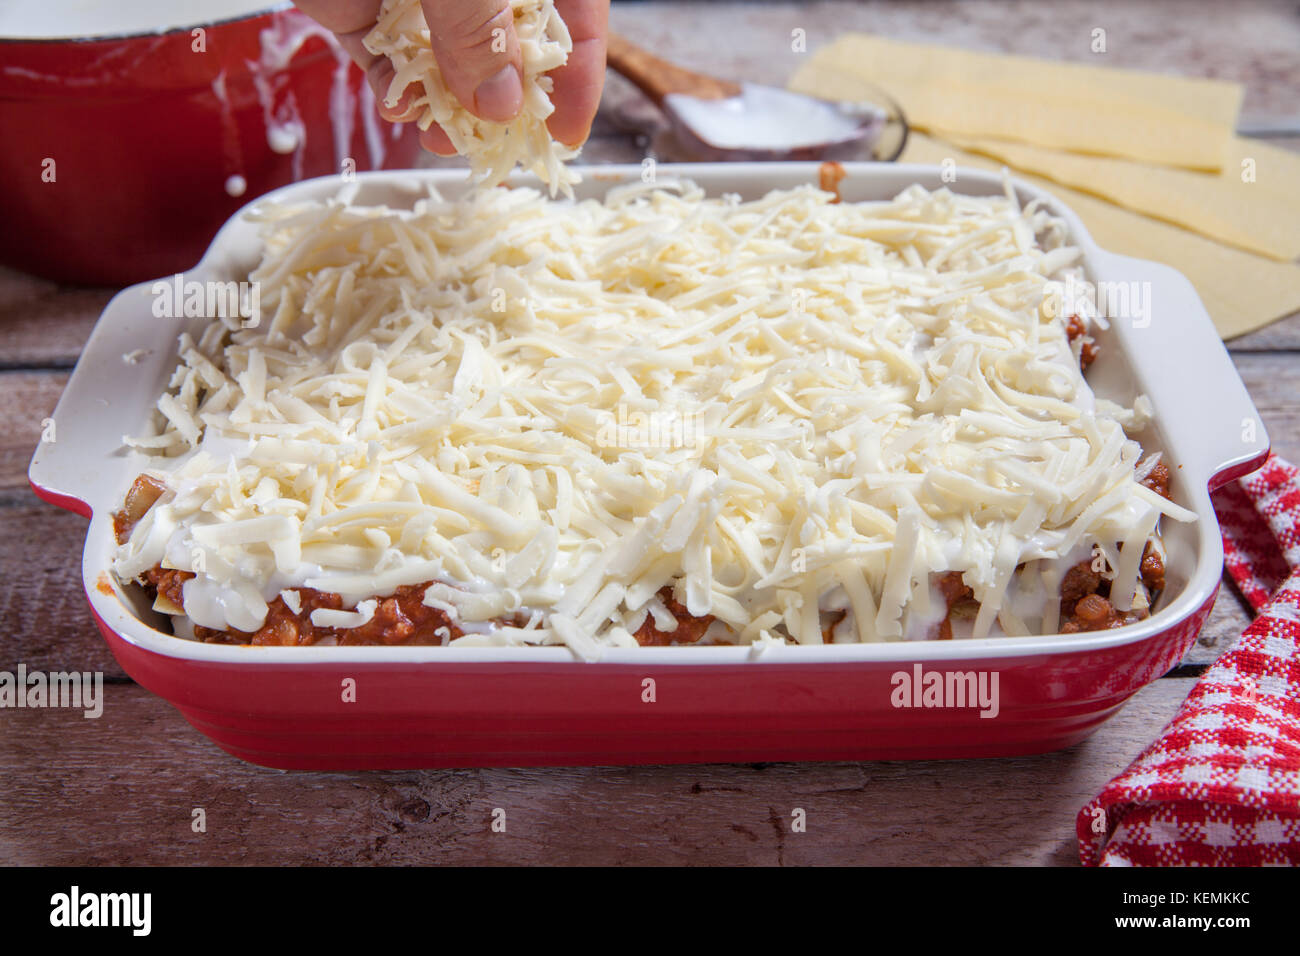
783, 409
324, 617
493, 149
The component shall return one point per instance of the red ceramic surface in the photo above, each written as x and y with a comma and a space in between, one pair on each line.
524, 714
117, 152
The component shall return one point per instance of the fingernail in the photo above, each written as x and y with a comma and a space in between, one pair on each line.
499, 97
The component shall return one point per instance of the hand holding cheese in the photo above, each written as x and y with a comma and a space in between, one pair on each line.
502, 62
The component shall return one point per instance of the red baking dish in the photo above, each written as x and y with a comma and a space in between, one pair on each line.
124, 154
372, 707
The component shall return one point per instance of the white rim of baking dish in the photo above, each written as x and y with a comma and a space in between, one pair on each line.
1201, 415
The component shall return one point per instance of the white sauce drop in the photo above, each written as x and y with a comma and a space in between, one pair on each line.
285, 130
283, 139
236, 185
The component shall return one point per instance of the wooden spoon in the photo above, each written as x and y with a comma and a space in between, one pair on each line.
656, 77
714, 119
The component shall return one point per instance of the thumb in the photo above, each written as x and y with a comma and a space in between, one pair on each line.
477, 51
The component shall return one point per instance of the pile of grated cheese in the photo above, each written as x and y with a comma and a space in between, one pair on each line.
784, 409
493, 149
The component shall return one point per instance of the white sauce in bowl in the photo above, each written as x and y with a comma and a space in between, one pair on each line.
767, 117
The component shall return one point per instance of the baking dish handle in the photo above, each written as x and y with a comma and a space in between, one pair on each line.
1177, 354
81, 443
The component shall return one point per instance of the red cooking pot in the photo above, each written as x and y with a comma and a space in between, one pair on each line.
121, 156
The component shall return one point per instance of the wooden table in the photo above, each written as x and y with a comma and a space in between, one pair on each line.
122, 789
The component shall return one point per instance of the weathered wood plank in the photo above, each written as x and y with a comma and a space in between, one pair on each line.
1230, 616
47, 623
1273, 381
1281, 336
27, 399
42, 323
127, 785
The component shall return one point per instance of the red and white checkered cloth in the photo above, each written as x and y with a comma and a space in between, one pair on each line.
1221, 785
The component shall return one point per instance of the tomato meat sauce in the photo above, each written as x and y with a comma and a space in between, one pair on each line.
401, 618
